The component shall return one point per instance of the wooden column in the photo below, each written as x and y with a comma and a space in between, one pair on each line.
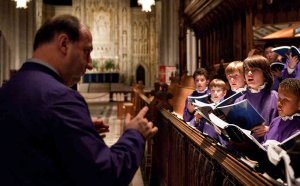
248, 34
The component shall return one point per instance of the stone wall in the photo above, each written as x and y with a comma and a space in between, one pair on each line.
120, 32
125, 34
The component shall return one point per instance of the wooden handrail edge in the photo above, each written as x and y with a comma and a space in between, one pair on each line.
241, 172
144, 98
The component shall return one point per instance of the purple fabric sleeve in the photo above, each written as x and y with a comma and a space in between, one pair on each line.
280, 130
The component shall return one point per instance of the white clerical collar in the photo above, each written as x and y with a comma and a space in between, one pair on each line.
201, 92
259, 88
285, 118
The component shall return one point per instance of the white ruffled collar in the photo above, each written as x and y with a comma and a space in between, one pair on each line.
242, 89
285, 118
259, 88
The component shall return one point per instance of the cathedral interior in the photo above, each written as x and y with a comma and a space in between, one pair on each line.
164, 45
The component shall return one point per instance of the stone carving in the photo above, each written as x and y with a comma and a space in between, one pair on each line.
120, 32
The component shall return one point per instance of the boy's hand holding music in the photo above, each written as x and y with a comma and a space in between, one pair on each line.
197, 117
293, 60
260, 130
190, 107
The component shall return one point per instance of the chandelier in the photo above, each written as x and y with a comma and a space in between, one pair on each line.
21, 3
146, 4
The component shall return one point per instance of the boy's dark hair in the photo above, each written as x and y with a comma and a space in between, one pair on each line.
292, 85
258, 61
67, 24
201, 71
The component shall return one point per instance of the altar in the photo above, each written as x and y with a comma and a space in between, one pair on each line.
101, 77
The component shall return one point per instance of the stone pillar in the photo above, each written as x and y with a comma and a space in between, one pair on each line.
191, 51
17, 31
169, 33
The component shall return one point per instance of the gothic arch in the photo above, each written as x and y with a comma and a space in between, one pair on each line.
140, 74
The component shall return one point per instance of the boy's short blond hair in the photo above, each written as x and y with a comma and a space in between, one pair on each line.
234, 66
218, 83
292, 85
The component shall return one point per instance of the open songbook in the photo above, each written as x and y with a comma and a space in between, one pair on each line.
292, 143
233, 132
292, 146
203, 98
242, 141
241, 113
277, 65
288, 152
202, 101
284, 50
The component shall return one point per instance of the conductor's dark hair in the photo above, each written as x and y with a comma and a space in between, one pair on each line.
67, 24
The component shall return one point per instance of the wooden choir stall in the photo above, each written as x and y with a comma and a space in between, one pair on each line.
181, 155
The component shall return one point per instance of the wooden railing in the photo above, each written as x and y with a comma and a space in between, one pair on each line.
181, 155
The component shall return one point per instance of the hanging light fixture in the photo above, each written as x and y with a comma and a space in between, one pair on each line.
21, 3
146, 4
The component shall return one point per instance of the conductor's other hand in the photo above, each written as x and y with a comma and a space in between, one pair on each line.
141, 124
101, 126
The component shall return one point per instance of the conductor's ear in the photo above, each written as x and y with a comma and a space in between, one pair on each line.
63, 41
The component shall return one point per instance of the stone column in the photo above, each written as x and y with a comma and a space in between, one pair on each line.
169, 33
17, 31
191, 51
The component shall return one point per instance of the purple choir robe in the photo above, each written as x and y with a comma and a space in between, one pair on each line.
276, 83
187, 116
295, 74
264, 102
229, 93
205, 127
47, 136
280, 130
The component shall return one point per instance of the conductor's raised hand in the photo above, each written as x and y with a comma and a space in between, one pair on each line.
141, 124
